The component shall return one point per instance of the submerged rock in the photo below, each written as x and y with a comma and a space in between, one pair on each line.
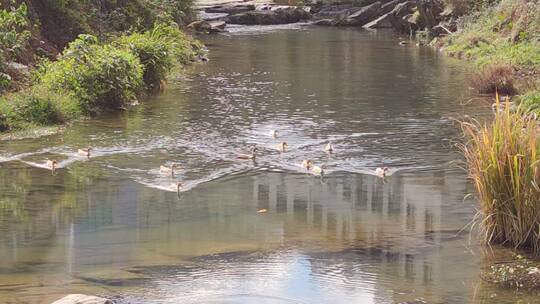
82, 299
208, 26
278, 16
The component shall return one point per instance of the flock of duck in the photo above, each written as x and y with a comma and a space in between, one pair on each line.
282, 147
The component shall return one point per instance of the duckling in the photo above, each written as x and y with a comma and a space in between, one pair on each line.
262, 211
169, 170
85, 152
318, 170
307, 163
274, 133
248, 156
329, 147
381, 172
282, 147
176, 186
52, 164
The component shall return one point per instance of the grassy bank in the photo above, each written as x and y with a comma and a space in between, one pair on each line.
502, 38
90, 75
498, 35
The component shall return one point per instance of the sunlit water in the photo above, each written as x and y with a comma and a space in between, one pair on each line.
112, 225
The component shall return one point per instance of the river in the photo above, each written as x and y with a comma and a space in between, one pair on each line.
109, 225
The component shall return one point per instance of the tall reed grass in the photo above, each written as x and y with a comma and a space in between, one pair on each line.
502, 157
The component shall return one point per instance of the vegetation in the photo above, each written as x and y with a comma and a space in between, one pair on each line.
503, 33
112, 52
495, 78
99, 76
503, 163
14, 36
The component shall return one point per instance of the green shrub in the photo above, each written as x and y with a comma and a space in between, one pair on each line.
99, 76
531, 101
13, 31
35, 106
159, 49
153, 53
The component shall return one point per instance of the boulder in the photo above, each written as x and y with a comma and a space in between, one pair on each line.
389, 6
429, 12
363, 15
82, 299
18, 68
279, 16
383, 21
325, 22
230, 9
339, 11
207, 26
400, 15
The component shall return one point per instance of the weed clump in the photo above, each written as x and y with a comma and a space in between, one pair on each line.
495, 78
502, 157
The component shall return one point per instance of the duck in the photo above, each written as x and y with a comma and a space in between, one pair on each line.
381, 172
85, 152
52, 164
248, 156
307, 163
274, 133
282, 147
317, 170
168, 170
329, 147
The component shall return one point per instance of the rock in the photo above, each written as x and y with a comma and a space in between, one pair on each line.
279, 16
444, 28
399, 16
208, 26
82, 299
230, 9
18, 68
389, 6
325, 22
429, 12
340, 11
363, 15
383, 21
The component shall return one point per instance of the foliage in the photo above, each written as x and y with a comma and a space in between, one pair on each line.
530, 101
495, 78
502, 157
13, 38
35, 106
158, 50
13, 31
99, 76
506, 33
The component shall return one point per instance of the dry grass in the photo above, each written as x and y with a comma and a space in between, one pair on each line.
495, 78
503, 163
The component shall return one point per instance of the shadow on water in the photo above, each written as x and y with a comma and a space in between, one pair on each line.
105, 226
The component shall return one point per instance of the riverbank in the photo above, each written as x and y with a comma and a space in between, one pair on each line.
104, 69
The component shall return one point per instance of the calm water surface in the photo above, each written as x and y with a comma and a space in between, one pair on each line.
110, 225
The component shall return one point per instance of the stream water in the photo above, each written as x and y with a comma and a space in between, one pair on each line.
111, 225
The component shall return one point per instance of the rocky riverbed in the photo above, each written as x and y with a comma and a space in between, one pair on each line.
404, 16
